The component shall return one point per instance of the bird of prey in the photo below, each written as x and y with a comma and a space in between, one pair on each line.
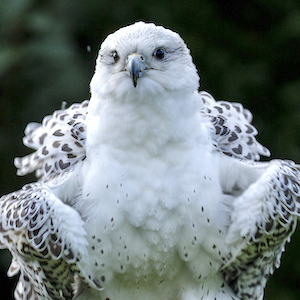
149, 190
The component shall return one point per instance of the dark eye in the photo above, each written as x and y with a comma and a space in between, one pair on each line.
116, 56
159, 53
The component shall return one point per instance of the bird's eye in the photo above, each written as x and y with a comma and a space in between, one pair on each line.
115, 56
159, 53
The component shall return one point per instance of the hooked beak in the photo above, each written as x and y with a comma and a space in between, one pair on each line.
135, 67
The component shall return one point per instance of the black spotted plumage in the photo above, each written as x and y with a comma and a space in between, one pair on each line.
41, 250
58, 142
276, 198
234, 134
150, 190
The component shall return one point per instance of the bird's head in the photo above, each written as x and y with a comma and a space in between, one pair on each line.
143, 59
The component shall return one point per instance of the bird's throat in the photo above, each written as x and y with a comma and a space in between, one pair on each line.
148, 126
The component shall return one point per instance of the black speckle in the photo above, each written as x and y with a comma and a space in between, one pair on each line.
238, 150
42, 138
248, 156
75, 116
45, 151
250, 141
58, 133
233, 137
249, 129
219, 109
62, 117
78, 144
63, 165
66, 148
238, 109
227, 106
47, 168
71, 122
238, 129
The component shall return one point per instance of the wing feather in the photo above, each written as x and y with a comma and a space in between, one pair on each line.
264, 218
232, 129
47, 240
59, 142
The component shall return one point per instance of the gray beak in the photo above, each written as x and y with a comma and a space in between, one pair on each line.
135, 67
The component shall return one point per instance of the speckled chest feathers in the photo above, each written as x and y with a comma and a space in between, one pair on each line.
148, 198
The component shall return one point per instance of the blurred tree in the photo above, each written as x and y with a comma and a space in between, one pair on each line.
246, 51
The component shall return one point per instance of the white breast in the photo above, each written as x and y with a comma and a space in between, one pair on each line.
147, 200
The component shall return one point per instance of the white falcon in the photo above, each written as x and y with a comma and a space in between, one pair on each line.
150, 190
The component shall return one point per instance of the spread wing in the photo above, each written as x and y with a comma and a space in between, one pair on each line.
232, 130
45, 235
47, 240
263, 220
265, 198
59, 142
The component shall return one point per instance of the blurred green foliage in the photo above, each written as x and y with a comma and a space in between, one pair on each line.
246, 51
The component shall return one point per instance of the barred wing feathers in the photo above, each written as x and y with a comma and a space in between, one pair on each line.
58, 141
263, 220
232, 130
47, 240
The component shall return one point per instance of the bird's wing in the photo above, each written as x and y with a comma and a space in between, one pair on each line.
47, 240
263, 220
232, 130
59, 142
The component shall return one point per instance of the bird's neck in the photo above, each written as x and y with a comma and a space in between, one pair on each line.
145, 124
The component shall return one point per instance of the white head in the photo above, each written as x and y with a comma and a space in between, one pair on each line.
143, 59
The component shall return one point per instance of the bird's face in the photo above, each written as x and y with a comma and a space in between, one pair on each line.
143, 59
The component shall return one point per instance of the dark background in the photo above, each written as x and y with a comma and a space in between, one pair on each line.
246, 51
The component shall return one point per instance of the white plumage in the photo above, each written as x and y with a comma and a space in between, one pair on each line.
150, 190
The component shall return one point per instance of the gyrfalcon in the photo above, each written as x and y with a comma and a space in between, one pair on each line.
149, 190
